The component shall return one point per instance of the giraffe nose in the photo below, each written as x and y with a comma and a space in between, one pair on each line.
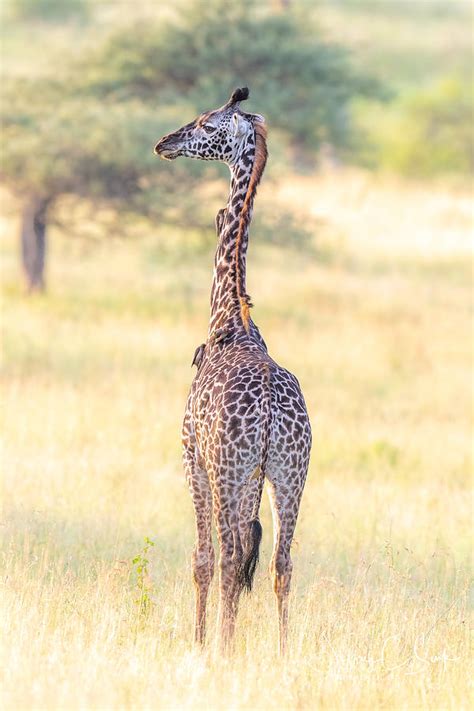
167, 148
159, 146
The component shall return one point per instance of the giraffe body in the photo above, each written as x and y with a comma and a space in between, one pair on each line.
245, 420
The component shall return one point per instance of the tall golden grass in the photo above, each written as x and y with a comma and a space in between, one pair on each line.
95, 375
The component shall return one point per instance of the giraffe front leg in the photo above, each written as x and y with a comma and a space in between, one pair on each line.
203, 554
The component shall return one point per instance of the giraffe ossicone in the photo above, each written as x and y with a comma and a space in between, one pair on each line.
245, 420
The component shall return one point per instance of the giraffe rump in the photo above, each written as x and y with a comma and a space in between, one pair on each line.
249, 562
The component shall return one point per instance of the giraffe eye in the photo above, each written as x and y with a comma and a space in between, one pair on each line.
208, 128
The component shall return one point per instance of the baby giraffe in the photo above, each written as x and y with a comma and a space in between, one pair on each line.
245, 418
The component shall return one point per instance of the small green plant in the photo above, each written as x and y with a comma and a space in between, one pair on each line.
144, 584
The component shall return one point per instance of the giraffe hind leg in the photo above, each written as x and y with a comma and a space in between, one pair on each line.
233, 552
284, 503
229, 588
203, 553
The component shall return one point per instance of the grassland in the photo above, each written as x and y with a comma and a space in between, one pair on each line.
95, 373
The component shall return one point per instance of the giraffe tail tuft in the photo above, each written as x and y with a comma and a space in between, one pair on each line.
249, 562
250, 559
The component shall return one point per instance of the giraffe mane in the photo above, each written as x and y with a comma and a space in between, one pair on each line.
260, 160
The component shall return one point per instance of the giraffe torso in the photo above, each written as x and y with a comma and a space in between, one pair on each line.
244, 411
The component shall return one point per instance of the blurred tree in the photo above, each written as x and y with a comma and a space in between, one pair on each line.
89, 132
98, 150
303, 84
424, 134
434, 133
47, 10
76, 148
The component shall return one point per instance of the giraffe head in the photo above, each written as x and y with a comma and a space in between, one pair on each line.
213, 135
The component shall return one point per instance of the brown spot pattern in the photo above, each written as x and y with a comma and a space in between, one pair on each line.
245, 420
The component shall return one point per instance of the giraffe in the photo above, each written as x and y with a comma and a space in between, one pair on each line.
245, 419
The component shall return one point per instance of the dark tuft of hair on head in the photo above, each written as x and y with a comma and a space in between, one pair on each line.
239, 95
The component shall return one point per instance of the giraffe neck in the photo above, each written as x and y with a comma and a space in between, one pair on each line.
230, 302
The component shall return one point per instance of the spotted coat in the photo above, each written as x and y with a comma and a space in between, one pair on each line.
245, 420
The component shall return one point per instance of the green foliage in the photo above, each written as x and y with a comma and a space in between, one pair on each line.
89, 128
80, 146
143, 582
89, 131
99, 150
303, 85
48, 10
428, 133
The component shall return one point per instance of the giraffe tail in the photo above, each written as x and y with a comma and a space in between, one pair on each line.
254, 535
249, 562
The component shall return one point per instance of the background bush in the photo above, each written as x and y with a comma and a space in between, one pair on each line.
48, 10
430, 131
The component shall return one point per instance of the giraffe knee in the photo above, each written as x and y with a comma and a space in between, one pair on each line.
203, 566
228, 569
227, 565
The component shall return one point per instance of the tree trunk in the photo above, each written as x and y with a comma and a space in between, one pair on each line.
33, 242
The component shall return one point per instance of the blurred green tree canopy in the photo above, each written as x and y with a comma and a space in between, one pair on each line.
89, 130
302, 84
47, 10
431, 133
85, 121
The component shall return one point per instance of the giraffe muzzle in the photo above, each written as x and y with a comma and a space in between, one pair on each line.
166, 149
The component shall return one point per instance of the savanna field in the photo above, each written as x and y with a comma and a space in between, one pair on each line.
374, 317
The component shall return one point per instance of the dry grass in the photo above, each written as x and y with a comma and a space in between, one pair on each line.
95, 377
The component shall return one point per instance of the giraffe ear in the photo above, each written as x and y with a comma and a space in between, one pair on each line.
239, 125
